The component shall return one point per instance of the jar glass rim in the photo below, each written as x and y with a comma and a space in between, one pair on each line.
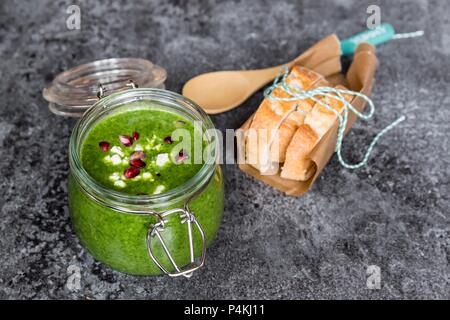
140, 203
73, 91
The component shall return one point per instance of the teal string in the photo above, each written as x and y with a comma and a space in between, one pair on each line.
297, 93
408, 35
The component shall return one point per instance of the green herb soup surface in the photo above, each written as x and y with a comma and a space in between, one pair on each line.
135, 151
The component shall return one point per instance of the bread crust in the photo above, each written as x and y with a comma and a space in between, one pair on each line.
298, 166
271, 112
301, 78
298, 135
265, 124
321, 118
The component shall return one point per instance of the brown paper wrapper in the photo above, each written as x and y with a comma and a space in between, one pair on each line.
324, 58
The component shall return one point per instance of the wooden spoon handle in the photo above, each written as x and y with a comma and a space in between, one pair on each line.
261, 77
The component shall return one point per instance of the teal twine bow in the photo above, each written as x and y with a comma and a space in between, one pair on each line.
297, 93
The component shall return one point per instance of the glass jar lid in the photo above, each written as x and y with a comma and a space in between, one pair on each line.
74, 91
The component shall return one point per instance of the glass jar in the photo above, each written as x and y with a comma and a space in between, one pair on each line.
147, 234
74, 91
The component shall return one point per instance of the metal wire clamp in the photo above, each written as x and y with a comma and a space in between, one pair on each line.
156, 229
102, 90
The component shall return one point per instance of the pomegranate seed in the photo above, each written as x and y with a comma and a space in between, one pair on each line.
168, 140
131, 172
137, 155
126, 140
104, 146
135, 136
182, 156
137, 163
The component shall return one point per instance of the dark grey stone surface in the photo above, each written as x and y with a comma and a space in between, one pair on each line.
394, 213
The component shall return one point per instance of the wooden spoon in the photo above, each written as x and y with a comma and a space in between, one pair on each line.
221, 91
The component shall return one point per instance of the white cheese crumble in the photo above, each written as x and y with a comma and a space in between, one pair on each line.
115, 176
117, 150
147, 176
159, 189
162, 159
120, 184
116, 159
138, 148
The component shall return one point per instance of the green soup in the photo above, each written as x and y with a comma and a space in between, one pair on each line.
146, 136
135, 152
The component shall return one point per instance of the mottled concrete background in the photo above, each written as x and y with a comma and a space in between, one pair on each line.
393, 214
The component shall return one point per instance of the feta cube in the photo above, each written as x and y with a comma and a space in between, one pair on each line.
147, 176
159, 189
117, 150
162, 159
120, 184
116, 159
115, 176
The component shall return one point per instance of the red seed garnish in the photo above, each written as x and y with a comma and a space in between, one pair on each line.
104, 146
168, 140
137, 163
126, 140
131, 172
182, 155
135, 136
137, 155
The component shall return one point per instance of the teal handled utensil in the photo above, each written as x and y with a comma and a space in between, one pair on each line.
381, 34
222, 91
